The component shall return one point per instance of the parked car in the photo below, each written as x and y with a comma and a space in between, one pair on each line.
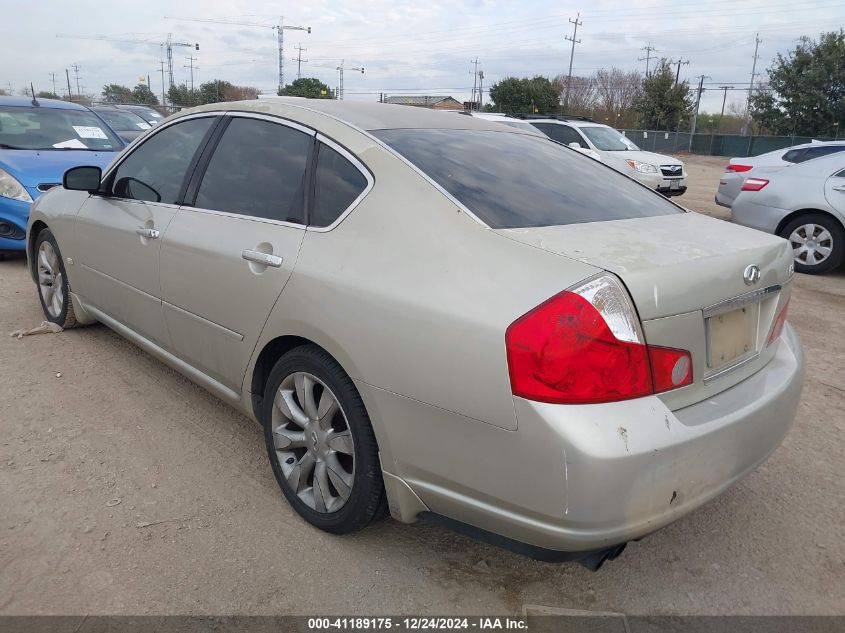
656, 171
149, 114
520, 124
802, 202
39, 140
128, 125
437, 315
737, 169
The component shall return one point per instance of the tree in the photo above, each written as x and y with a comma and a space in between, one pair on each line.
309, 87
142, 94
662, 103
3, 92
806, 89
115, 93
183, 96
616, 91
46, 94
583, 94
533, 96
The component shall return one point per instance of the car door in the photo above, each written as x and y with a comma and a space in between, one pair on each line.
231, 248
120, 230
834, 191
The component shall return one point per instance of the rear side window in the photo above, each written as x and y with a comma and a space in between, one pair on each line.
258, 169
518, 180
338, 183
817, 152
155, 170
793, 156
560, 133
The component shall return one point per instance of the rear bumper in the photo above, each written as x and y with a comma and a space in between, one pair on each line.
14, 215
582, 478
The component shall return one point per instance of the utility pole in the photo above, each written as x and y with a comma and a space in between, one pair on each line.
340, 69
299, 60
163, 101
576, 22
191, 61
757, 41
53, 75
647, 59
695, 114
280, 28
480, 89
474, 80
724, 99
678, 72
69, 93
76, 72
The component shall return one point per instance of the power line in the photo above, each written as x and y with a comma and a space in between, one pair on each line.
191, 61
299, 60
76, 72
576, 23
648, 51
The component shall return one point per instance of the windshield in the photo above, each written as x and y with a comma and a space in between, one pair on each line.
514, 180
607, 139
54, 129
150, 116
123, 121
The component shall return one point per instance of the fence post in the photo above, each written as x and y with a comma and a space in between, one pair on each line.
748, 149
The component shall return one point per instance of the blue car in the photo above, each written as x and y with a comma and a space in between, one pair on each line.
38, 143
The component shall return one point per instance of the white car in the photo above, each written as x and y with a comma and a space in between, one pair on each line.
504, 119
737, 169
656, 171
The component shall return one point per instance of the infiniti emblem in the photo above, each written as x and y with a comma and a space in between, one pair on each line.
751, 275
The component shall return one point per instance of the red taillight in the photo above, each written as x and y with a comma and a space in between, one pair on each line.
754, 184
582, 347
777, 326
738, 168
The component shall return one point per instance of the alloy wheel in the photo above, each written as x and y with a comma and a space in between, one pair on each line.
313, 443
811, 243
50, 279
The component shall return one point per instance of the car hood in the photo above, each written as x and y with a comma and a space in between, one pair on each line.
643, 157
32, 167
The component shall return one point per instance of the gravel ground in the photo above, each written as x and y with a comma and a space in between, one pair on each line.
125, 489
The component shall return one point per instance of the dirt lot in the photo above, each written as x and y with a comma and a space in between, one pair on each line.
126, 489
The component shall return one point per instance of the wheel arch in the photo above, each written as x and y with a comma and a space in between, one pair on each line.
796, 214
34, 231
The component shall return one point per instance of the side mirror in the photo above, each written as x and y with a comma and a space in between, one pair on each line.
575, 145
82, 179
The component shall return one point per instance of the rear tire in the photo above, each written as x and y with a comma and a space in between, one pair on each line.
320, 442
818, 243
53, 285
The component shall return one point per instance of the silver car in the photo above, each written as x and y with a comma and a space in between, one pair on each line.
440, 317
738, 169
804, 203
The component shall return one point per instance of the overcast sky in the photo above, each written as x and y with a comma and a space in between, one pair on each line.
419, 47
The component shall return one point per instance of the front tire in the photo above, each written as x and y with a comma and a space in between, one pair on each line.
53, 285
320, 442
818, 243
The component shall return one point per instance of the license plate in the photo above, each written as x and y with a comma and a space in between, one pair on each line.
674, 185
731, 335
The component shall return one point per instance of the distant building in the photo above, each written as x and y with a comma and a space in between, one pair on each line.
427, 101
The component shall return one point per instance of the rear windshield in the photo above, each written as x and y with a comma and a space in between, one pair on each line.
514, 180
54, 129
124, 121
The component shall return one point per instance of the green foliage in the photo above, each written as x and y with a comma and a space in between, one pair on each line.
115, 93
142, 94
46, 94
181, 95
309, 87
806, 93
531, 96
210, 92
662, 104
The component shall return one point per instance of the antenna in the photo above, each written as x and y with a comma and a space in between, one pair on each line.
32, 92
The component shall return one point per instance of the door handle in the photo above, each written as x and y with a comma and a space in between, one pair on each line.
265, 259
143, 231
839, 188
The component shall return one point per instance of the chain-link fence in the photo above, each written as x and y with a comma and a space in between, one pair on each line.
713, 144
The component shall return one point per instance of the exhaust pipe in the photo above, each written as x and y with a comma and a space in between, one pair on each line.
594, 560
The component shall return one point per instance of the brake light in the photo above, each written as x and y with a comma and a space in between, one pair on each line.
738, 168
777, 326
583, 346
754, 184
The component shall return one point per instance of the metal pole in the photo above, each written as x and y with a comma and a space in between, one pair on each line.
757, 41
69, 93
572, 39
163, 100
695, 114
281, 30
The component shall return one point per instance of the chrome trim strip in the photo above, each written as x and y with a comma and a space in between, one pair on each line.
215, 387
737, 302
238, 216
360, 167
270, 119
220, 328
722, 371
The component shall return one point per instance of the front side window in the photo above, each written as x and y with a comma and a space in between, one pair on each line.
520, 180
156, 169
56, 129
258, 169
607, 139
561, 133
338, 183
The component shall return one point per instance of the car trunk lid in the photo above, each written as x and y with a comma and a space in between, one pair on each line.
686, 275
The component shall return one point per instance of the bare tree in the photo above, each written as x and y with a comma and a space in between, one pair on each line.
582, 93
616, 90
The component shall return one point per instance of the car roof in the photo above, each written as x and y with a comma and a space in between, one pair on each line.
363, 115
26, 102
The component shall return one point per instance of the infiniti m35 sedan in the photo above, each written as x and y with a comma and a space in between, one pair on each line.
439, 317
